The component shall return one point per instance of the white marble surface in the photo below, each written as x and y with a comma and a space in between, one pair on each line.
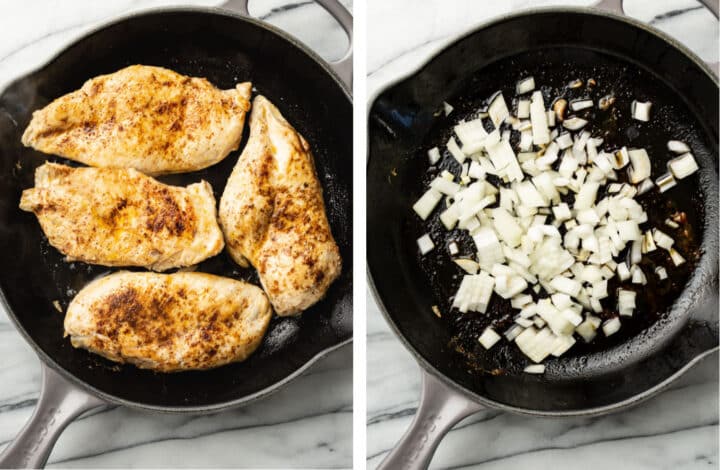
676, 431
292, 428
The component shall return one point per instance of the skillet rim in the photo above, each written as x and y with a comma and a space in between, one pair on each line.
70, 377
422, 362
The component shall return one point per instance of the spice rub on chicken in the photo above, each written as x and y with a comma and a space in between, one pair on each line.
119, 217
148, 118
169, 322
273, 215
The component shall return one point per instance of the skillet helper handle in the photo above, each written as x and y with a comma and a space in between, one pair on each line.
343, 67
616, 6
440, 409
60, 402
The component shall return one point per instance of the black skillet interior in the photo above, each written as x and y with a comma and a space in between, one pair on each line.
554, 47
226, 50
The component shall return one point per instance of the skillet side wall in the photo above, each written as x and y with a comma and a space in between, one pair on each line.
226, 50
399, 122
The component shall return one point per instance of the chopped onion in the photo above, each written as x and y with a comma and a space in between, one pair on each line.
498, 110
434, 155
676, 257
648, 243
622, 158
665, 182
523, 109
447, 108
526, 85
472, 134
513, 332
683, 166
578, 105
640, 165
535, 369
676, 146
640, 110
638, 276
468, 265
626, 302
425, 244
661, 273
427, 202
538, 118
574, 123
662, 239
444, 186
474, 292
588, 328
645, 186
488, 338
455, 151
611, 326
566, 285
453, 248
623, 272
564, 140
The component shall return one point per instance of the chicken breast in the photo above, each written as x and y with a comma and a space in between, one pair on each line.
273, 215
169, 322
118, 217
148, 118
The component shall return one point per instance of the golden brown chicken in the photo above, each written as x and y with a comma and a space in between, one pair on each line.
169, 322
148, 118
273, 215
118, 217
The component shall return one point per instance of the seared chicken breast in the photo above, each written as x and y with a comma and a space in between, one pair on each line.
169, 322
273, 215
148, 118
119, 217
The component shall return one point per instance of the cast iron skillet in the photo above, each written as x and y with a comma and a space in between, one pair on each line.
674, 327
226, 48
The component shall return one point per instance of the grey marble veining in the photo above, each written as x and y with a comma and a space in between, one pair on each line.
291, 428
677, 430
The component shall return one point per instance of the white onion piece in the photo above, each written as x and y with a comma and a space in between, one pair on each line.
427, 202
574, 123
648, 243
661, 273
683, 166
640, 165
447, 108
551, 121
488, 247
513, 332
453, 248
523, 111
662, 239
611, 326
455, 151
474, 293
626, 302
578, 105
623, 272
498, 110
488, 338
519, 301
535, 369
587, 329
425, 244
677, 146
468, 265
526, 85
444, 186
676, 257
450, 216
622, 158
538, 118
434, 155
638, 276
665, 182
645, 186
586, 197
526, 141
471, 132
640, 111
564, 140
566, 285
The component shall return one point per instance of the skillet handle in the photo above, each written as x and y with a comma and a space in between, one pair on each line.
440, 409
59, 403
342, 67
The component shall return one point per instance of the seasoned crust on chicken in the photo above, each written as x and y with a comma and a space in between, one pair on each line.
169, 322
273, 215
148, 118
119, 217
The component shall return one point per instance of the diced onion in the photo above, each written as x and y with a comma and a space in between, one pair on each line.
683, 166
434, 155
677, 146
641, 111
626, 302
612, 326
488, 338
498, 110
425, 244
676, 257
455, 151
523, 111
538, 118
578, 105
427, 202
574, 123
453, 248
661, 273
447, 108
665, 182
535, 369
526, 85
639, 165
468, 265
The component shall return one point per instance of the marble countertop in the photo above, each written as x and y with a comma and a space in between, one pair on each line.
281, 431
677, 430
